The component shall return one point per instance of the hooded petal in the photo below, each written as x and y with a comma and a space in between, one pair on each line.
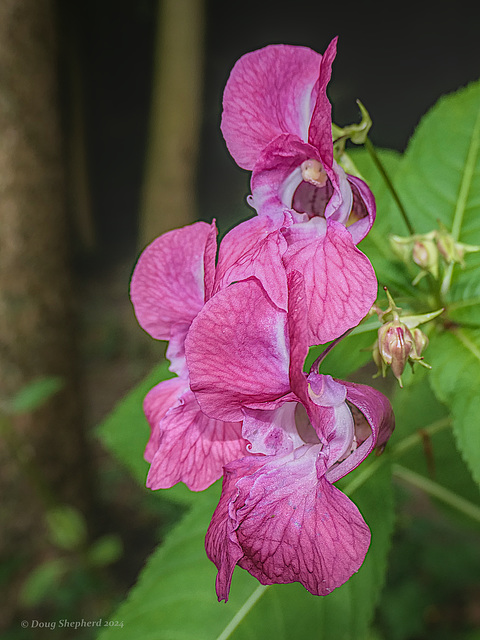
340, 282
269, 92
290, 525
363, 211
374, 424
237, 352
254, 248
193, 448
157, 402
167, 286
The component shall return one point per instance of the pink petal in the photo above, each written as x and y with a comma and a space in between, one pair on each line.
167, 286
277, 175
378, 414
237, 352
340, 282
320, 132
193, 448
269, 92
290, 525
363, 210
157, 402
254, 248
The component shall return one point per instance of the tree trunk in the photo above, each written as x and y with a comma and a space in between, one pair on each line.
168, 198
36, 328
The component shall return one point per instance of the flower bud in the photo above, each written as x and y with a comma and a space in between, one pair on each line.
395, 344
425, 255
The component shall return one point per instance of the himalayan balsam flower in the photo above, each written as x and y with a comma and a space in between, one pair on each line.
277, 121
279, 515
172, 280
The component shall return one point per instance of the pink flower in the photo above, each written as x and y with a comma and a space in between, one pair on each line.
172, 280
277, 121
279, 516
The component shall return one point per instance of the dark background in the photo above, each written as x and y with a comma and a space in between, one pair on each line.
396, 59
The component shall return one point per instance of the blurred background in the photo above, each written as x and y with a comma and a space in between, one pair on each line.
109, 136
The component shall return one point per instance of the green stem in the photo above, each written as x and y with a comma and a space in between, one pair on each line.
437, 491
378, 163
396, 451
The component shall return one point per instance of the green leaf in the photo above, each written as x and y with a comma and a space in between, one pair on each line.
105, 550
66, 526
43, 582
439, 178
390, 271
175, 594
125, 431
35, 394
455, 379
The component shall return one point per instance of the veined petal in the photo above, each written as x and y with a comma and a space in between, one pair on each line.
291, 525
254, 248
193, 448
340, 282
163, 397
237, 352
270, 91
320, 132
167, 286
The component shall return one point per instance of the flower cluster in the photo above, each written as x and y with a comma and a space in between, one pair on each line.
240, 326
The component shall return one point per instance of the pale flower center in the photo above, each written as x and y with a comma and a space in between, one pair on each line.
313, 172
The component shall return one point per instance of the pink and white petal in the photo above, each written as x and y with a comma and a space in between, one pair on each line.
254, 248
320, 132
271, 432
167, 284
340, 282
193, 448
269, 92
363, 211
375, 420
295, 527
163, 397
277, 174
237, 352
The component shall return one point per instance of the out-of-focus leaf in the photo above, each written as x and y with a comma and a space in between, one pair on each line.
35, 394
175, 595
43, 582
66, 526
105, 550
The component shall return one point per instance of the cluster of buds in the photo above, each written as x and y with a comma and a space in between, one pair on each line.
428, 249
399, 339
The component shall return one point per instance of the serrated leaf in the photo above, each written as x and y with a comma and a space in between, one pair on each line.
455, 379
439, 178
175, 595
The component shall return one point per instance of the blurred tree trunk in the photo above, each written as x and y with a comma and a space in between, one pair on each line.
36, 328
168, 198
